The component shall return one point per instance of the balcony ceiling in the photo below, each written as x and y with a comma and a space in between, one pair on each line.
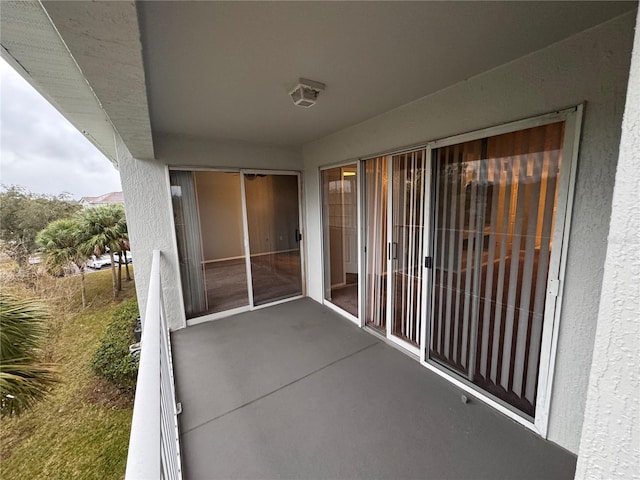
224, 69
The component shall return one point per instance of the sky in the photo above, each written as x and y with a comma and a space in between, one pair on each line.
41, 151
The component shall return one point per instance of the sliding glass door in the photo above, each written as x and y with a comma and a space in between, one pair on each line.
238, 237
407, 242
495, 208
273, 228
461, 253
394, 239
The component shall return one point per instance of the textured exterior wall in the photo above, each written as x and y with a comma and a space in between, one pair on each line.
591, 66
610, 446
145, 185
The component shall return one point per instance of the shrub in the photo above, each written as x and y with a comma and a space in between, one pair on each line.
24, 378
112, 360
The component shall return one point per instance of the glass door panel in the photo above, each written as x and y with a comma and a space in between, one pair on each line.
375, 240
407, 245
223, 256
340, 226
496, 200
207, 208
273, 229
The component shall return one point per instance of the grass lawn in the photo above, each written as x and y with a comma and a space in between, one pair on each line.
81, 430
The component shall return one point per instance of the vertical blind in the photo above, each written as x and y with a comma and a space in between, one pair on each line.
375, 212
407, 244
494, 215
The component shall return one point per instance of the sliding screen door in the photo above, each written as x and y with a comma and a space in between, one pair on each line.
407, 233
340, 224
394, 211
496, 200
273, 228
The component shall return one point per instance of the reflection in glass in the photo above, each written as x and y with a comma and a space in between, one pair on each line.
340, 228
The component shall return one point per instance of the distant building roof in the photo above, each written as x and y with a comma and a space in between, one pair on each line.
106, 199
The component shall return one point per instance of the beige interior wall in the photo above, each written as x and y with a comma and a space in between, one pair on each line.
220, 210
272, 213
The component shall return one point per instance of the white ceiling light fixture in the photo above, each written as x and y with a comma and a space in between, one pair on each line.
305, 94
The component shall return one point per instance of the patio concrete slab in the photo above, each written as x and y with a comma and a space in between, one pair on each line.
224, 364
342, 405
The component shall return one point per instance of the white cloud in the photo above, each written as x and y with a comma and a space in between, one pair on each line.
41, 151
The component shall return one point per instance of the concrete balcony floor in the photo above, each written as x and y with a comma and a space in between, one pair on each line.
295, 391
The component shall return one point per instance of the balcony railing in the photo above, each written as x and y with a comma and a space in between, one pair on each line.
154, 446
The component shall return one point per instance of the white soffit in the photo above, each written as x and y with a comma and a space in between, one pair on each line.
33, 47
104, 39
224, 69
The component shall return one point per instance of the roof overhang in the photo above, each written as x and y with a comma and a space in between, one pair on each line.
85, 58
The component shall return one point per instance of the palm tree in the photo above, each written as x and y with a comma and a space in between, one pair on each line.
104, 228
127, 248
122, 254
23, 378
61, 244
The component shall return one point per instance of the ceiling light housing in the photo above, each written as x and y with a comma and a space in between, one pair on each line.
305, 94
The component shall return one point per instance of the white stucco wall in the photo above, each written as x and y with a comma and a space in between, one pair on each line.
145, 185
610, 446
149, 219
589, 67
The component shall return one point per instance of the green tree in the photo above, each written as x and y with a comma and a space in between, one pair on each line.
61, 242
23, 214
105, 229
23, 378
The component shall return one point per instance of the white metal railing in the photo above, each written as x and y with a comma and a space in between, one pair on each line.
154, 445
